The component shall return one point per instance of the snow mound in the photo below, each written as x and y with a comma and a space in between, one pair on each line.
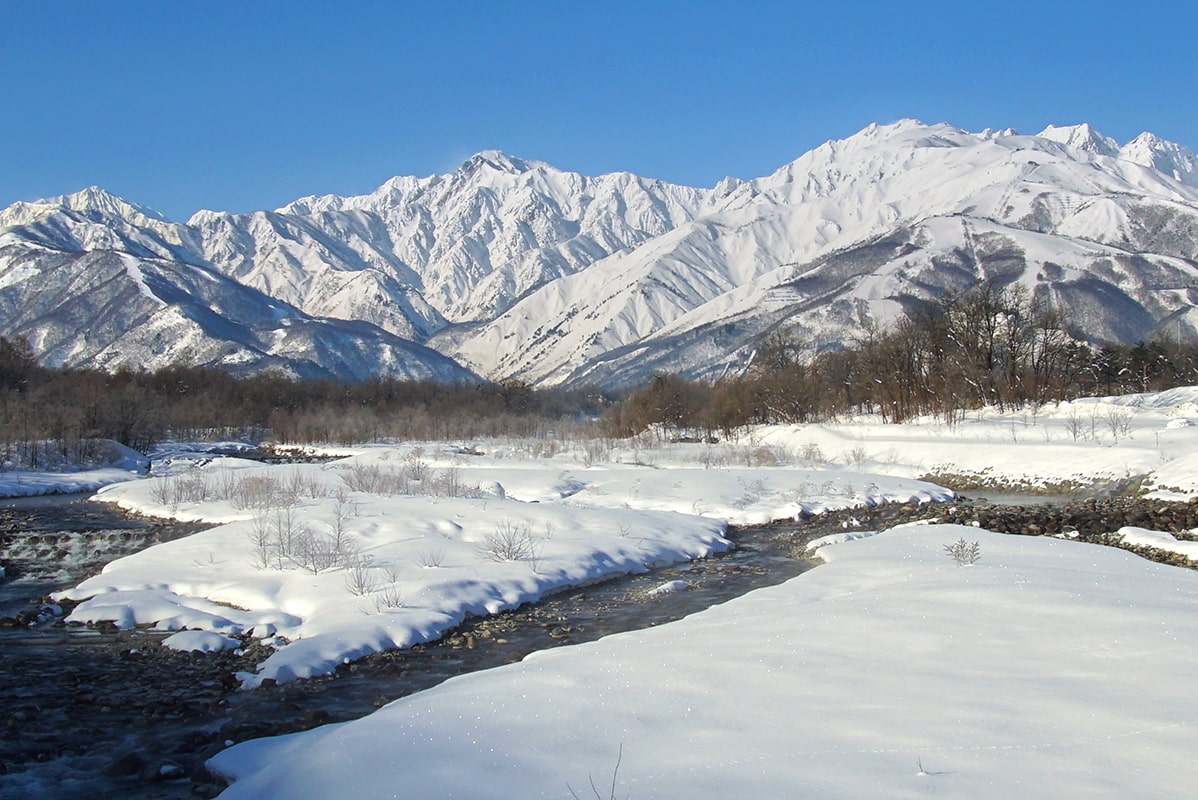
1159, 540
669, 587
201, 641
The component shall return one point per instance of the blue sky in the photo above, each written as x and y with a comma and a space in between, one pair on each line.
241, 106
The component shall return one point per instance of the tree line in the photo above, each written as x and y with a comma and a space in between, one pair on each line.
58, 414
992, 346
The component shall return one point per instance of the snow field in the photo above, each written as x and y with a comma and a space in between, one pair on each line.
416, 538
1087, 442
415, 565
1048, 669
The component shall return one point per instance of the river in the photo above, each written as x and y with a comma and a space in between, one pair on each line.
98, 715
110, 714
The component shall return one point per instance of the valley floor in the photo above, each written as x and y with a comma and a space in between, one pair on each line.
1049, 668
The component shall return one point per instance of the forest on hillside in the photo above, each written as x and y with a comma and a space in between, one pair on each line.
994, 346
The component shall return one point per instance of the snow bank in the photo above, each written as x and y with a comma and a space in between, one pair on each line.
421, 564
427, 564
201, 641
1159, 540
1087, 442
1050, 668
114, 463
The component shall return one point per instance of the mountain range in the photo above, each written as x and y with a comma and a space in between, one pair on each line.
511, 269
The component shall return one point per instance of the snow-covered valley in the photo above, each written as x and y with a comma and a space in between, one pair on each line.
1047, 668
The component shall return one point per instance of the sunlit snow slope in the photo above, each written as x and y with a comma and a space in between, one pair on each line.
857, 230
520, 270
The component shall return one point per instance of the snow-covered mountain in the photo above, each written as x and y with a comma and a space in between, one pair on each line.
853, 232
418, 253
519, 270
114, 307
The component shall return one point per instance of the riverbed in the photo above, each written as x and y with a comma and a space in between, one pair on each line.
102, 714
114, 714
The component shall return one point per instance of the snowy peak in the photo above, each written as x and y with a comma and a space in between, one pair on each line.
94, 219
482, 169
469, 242
500, 162
96, 202
1147, 150
1081, 137
92, 203
1163, 156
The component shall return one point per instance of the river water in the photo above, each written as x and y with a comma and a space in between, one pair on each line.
98, 715
48, 543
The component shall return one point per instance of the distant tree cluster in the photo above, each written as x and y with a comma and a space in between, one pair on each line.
992, 346
59, 414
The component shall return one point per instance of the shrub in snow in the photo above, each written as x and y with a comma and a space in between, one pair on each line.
415, 467
316, 552
430, 558
964, 553
253, 492
857, 456
388, 598
812, 455
511, 541
414, 478
376, 479
359, 577
281, 541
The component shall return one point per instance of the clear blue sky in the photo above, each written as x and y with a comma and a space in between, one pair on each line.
242, 105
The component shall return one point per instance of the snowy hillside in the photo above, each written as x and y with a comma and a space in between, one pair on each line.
110, 309
853, 232
520, 270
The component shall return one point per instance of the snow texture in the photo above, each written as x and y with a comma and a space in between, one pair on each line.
1050, 669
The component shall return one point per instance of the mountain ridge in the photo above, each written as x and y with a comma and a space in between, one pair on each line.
519, 270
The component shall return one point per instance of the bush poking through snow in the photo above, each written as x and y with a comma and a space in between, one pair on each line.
192, 487
858, 456
430, 558
389, 598
511, 541
415, 467
415, 478
376, 479
359, 577
812, 455
253, 492
280, 541
963, 553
